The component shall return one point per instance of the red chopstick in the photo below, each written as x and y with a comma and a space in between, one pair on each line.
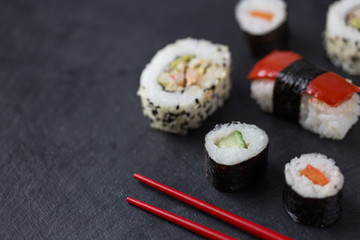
186, 223
242, 223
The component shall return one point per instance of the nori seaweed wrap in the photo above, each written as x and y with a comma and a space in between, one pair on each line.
261, 45
236, 156
290, 84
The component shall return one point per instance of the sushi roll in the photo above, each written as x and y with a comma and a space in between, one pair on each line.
313, 190
322, 102
342, 35
184, 83
264, 23
236, 155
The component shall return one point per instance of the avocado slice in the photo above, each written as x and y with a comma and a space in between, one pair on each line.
355, 22
235, 139
185, 58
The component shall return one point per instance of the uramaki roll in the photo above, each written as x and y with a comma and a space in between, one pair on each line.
184, 83
342, 35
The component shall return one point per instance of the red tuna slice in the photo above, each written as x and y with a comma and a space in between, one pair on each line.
331, 89
273, 63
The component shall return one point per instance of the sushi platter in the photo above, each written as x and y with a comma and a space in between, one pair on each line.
243, 115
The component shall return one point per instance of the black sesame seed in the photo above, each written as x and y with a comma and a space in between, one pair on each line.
169, 120
184, 124
196, 100
154, 112
213, 87
177, 107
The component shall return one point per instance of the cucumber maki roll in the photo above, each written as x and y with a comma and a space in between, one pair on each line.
264, 23
236, 155
320, 101
184, 83
313, 190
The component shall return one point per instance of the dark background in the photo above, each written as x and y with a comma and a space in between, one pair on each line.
72, 132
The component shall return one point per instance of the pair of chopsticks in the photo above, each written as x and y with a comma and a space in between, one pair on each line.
242, 223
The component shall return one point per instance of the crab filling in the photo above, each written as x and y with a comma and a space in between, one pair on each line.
186, 71
353, 18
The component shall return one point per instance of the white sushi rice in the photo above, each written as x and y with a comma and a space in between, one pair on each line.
329, 122
262, 92
304, 186
179, 111
254, 137
315, 115
256, 25
342, 42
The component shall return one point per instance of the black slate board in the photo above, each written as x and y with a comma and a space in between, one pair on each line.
72, 131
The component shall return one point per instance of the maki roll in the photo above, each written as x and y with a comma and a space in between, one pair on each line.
342, 35
236, 155
264, 23
322, 102
313, 190
184, 83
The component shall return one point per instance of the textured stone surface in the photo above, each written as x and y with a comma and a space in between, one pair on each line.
72, 132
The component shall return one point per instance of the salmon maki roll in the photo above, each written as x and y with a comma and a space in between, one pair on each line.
313, 190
